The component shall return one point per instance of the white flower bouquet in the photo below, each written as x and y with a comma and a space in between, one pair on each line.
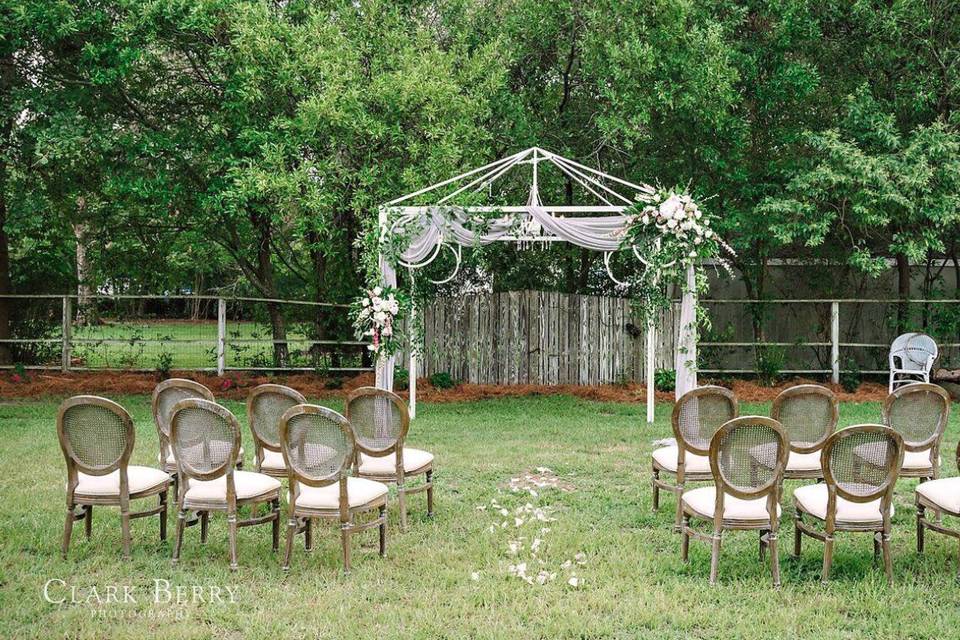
375, 316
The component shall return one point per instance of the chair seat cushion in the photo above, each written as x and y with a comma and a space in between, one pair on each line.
248, 484
172, 461
918, 460
273, 460
803, 461
360, 491
944, 492
666, 457
413, 460
703, 501
813, 499
138, 479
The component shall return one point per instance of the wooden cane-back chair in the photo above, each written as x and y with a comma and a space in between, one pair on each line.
206, 442
165, 395
860, 467
919, 413
266, 404
318, 448
96, 436
747, 459
380, 421
809, 414
696, 417
943, 496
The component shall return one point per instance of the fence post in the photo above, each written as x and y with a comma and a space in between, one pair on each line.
66, 350
221, 336
835, 342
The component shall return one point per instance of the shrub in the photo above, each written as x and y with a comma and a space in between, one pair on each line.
442, 380
401, 379
335, 382
850, 376
665, 379
770, 362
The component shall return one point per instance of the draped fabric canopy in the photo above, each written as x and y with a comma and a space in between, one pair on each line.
426, 229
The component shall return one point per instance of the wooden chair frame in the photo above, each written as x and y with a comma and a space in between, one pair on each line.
163, 422
682, 476
261, 443
936, 525
203, 507
775, 410
880, 529
932, 472
301, 517
399, 476
87, 502
768, 526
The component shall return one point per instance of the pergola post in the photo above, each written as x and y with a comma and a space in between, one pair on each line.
651, 368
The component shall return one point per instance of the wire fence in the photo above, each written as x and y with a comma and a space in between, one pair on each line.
199, 333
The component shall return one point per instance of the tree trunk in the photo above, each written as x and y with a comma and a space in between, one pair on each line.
903, 292
6, 287
85, 311
278, 328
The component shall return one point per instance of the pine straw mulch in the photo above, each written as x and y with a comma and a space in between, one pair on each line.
236, 386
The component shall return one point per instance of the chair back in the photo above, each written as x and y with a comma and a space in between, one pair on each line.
915, 351
918, 412
96, 435
861, 463
699, 413
266, 404
205, 438
748, 456
379, 419
808, 413
317, 444
167, 394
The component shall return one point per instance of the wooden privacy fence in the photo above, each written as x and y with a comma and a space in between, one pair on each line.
540, 337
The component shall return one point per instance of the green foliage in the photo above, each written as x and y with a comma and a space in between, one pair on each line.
442, 380
850, 376
665, 379
401, 379
769, 363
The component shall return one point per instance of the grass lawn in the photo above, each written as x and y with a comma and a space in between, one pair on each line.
633, 582
146, 344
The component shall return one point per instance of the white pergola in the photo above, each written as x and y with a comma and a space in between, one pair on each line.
600, 226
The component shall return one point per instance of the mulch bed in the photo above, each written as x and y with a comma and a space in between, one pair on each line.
237, 386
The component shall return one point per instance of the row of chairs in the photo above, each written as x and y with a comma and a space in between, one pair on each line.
336, 465
748, 458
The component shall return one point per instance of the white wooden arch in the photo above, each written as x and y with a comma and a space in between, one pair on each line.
441, 224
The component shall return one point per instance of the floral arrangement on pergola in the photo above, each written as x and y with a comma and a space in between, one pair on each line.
664, 230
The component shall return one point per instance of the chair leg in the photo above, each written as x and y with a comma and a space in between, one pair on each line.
797, 535
291, 532
887, 557
204, 525
163, 516
308, 535
345, 542
67, 530
125, 532
178, 537
715, 557
402, 504
685, 539
430, 493
920, 514
276, 524
774, 559
232, 526
88, 521
383, 531
656, 489
763, 544
876, 546
827, 559
678, 522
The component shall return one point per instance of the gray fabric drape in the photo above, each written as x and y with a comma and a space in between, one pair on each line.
686, 346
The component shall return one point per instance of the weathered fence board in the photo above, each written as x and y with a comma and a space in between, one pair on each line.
540, 337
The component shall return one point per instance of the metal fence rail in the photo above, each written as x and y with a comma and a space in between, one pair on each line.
199, 333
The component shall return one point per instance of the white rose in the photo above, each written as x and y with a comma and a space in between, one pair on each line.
645, 219
379, 316
365, 303
377, 291
697, 240
671, 223
708, 233
395, 308
689, 207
